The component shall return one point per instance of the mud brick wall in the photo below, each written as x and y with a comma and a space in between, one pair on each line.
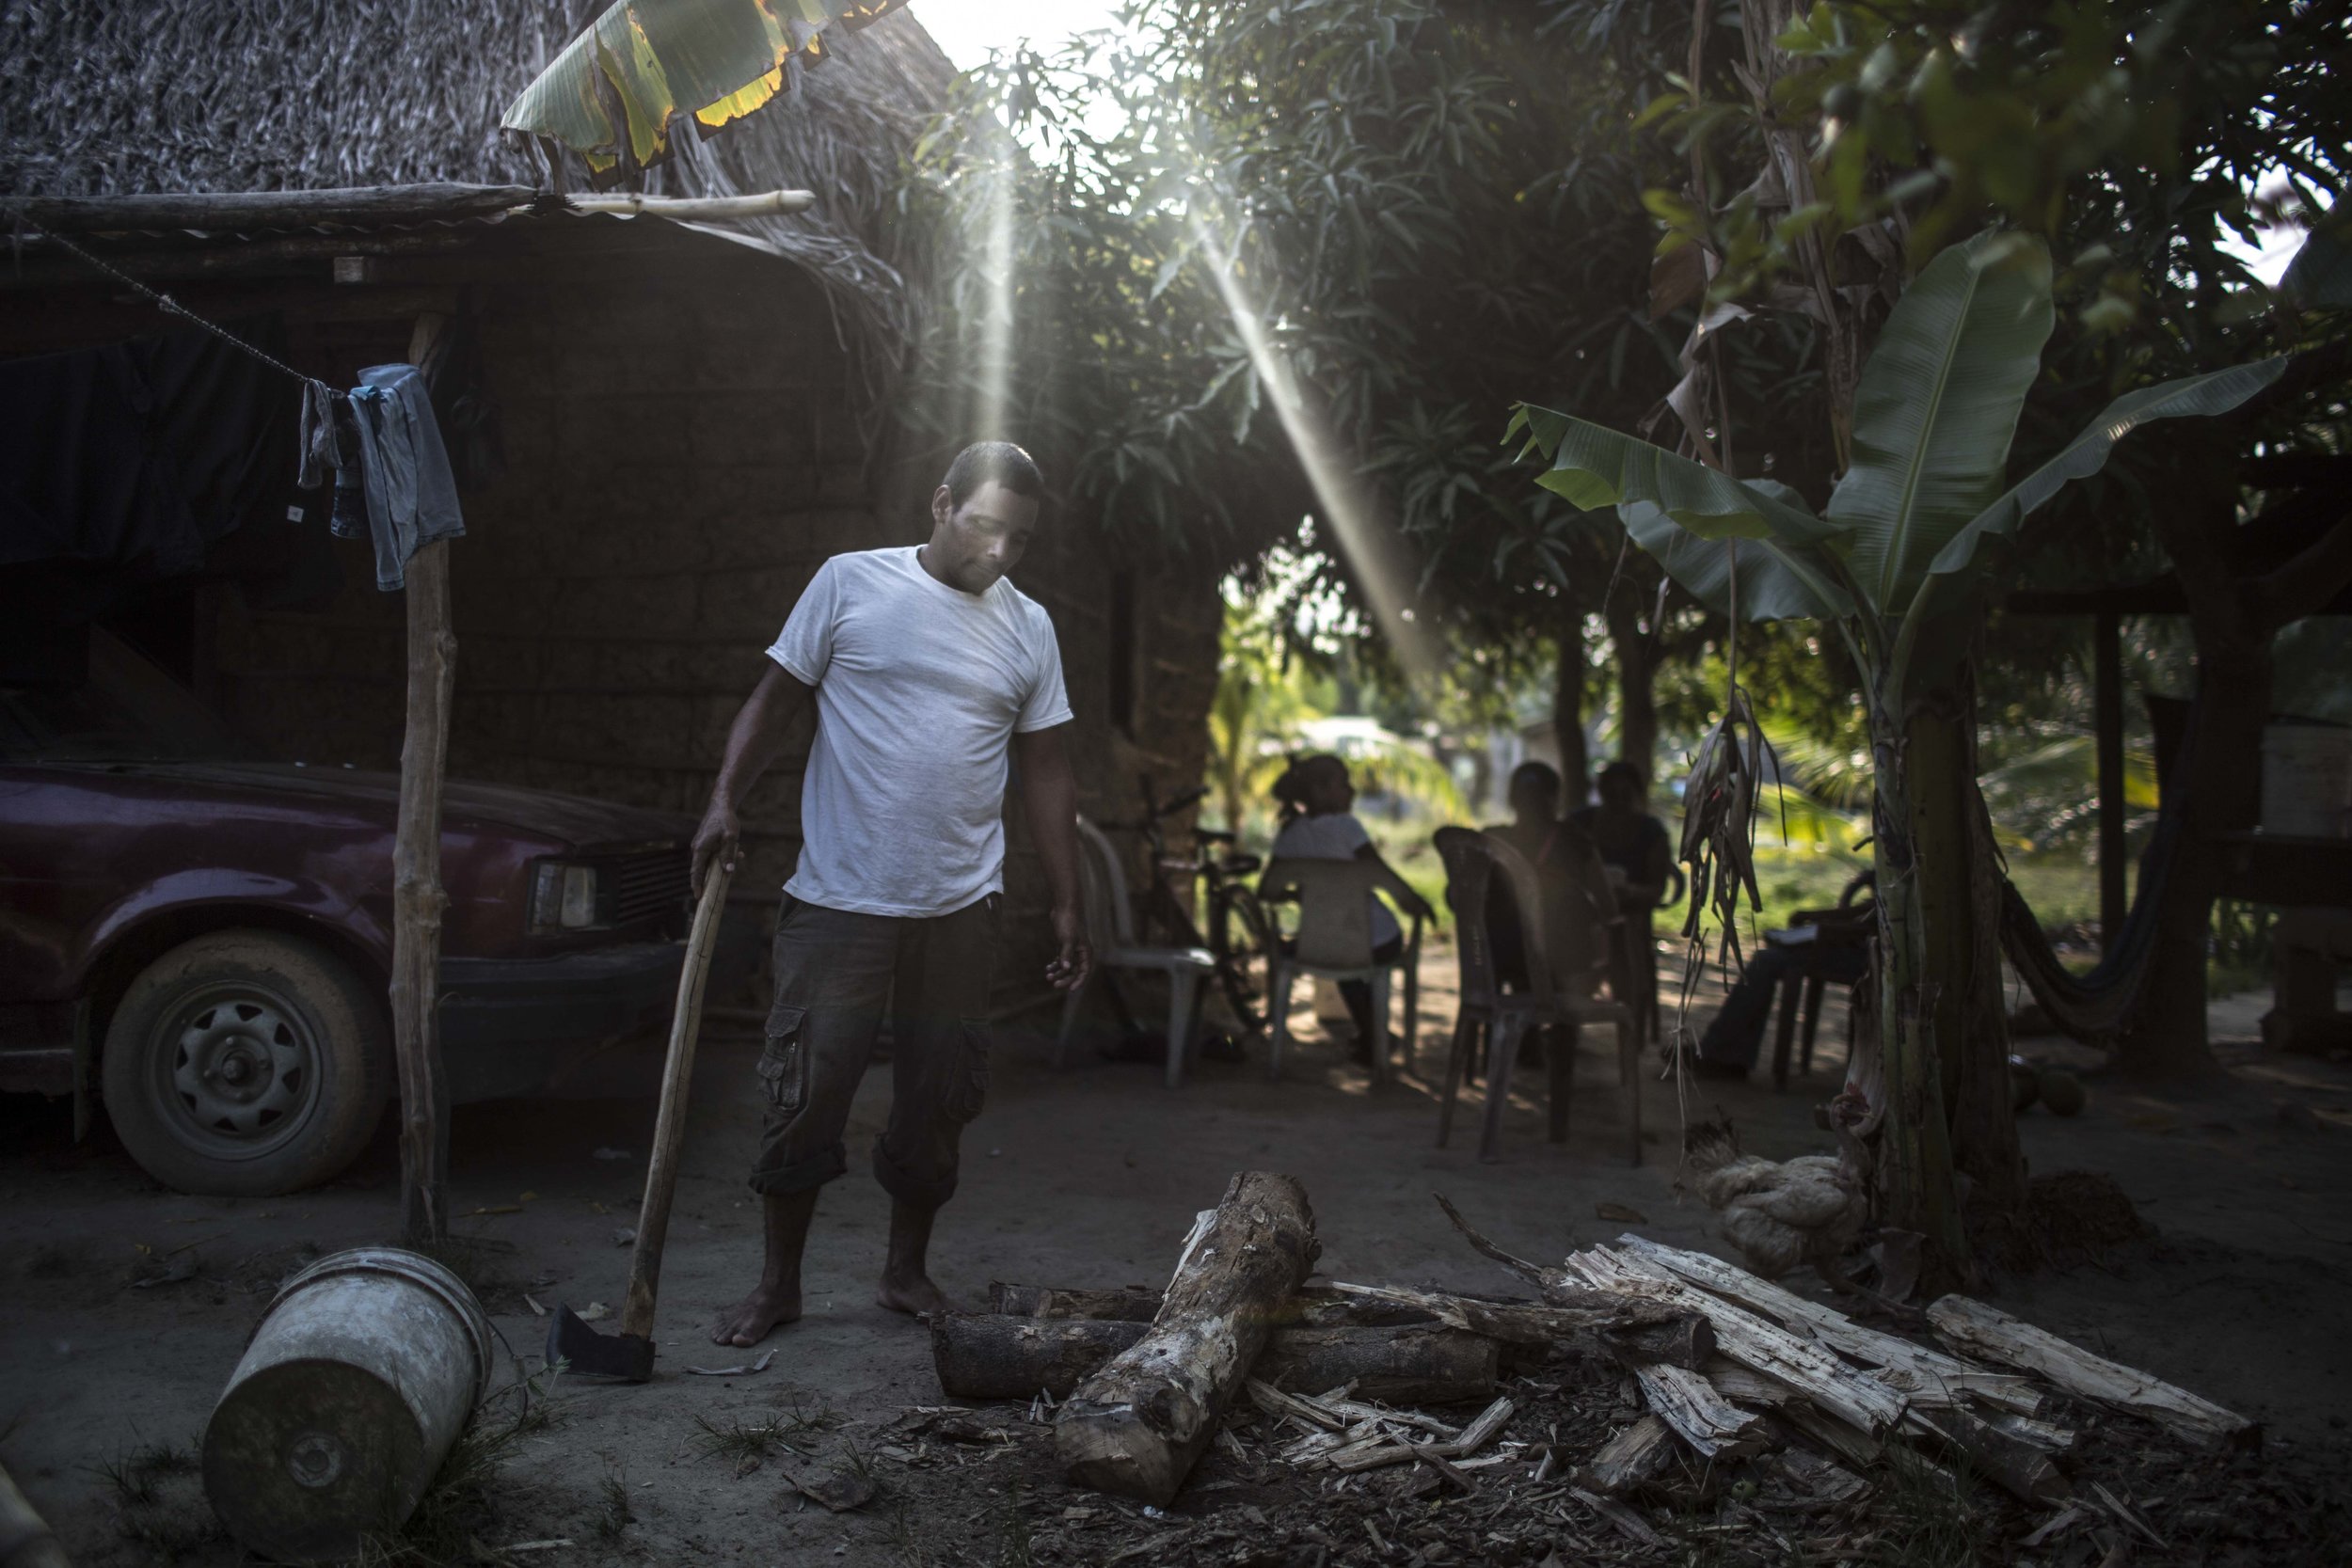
681, 457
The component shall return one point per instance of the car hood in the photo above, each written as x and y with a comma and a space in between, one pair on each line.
467, 806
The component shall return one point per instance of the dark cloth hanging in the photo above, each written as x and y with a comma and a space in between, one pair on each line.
130, 470
411, 493
140, 452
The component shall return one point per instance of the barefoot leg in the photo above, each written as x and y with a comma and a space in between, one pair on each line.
776, 1299
906, 1281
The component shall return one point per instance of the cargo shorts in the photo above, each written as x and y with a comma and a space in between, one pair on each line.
837, 972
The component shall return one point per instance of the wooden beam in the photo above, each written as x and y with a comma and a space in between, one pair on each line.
215, 212
418, 898
2107, 732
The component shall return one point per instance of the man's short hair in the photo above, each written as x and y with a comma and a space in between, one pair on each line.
1000, 461
1539, 776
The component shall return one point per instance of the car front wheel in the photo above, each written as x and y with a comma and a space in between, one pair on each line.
246, 1064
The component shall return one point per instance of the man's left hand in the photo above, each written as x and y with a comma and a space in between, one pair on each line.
1070, 971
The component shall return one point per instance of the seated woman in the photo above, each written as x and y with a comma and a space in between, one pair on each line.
1315, 794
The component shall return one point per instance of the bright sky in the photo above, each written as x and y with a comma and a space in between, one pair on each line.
966, 30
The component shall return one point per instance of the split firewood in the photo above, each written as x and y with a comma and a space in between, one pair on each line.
985, 1355
1132, 1304
1987, 1331
1700, 1415
2017, 1467
1595, 1316
1752, 1341
1848, 1442
1742, 1387
1136, 1426
1926, 1376
1635, 1455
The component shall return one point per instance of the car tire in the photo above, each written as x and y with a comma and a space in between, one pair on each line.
247, 1063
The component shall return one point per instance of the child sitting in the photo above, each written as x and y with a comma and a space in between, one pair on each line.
1315, 794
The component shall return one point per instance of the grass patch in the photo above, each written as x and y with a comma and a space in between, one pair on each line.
1929, 1521
161, 1503
745, 1442
613, 1514
460, 1505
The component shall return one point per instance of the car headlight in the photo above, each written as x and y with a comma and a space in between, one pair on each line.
562, 896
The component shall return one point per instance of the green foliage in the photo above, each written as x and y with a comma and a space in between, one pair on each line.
1897, 560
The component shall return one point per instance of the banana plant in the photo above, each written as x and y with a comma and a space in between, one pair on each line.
1897, 562
611, 94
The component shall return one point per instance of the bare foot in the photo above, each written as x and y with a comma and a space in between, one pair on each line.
749, 1320
915, 1295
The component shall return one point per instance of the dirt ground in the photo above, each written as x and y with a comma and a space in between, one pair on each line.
1087, 1176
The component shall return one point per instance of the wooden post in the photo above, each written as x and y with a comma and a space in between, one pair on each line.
2107, 722
418, 899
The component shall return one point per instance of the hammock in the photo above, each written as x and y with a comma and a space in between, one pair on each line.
2094, 1007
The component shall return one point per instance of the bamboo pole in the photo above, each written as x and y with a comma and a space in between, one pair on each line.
418, 898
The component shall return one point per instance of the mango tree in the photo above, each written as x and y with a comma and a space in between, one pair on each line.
1896, 562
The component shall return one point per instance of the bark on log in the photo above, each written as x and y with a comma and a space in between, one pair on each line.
1685, 1341
1053, 1300
1430, 1364
2016, 1465
418, 900
1136, 1426
983, 1355
1704, 1419
1989, 1332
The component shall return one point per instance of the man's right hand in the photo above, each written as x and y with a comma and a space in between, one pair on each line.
715, 842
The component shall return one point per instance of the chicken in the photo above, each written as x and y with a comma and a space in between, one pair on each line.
1777, 1213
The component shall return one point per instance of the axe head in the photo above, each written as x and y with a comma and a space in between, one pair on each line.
581, 1349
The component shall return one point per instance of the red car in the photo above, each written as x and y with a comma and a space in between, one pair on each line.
204, 941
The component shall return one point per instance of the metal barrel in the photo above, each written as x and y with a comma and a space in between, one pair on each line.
354, 1384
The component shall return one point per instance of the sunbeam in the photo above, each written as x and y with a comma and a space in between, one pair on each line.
992, 418
1353, 509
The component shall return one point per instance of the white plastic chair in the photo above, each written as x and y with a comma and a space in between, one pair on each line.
1111, 933
1334, 941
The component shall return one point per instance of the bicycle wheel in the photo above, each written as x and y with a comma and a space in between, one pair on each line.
1239, 937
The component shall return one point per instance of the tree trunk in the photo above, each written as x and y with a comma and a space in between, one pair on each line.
1637, 672
1567, 711
1943, 1031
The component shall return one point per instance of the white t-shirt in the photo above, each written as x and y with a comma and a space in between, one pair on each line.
1336, 837
920, 689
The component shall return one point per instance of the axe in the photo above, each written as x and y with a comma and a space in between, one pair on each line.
629, 1354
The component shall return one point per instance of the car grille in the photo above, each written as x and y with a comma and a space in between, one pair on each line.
650, 885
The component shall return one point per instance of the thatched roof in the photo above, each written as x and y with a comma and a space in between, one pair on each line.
240, 95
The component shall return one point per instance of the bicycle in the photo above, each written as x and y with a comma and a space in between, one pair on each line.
1239, 935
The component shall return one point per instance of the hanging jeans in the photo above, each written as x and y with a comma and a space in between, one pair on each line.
411, 495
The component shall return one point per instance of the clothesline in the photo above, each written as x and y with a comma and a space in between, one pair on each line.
169, 306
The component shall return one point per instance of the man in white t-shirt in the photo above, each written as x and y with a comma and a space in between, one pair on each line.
931, 675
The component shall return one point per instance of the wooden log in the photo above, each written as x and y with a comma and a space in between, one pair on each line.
697, 208
1741, 1386
1136, 1426
1318, 1307
1129, 1306
2017, 1467
1566, 1315
1635, 1455
234, 210
1987, 1331
1856, 1446
1417, 1364
1684, 1339
418, 900
983, 1355
1925, 1375
1749, 1339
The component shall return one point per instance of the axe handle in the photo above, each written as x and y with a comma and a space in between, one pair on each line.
669, 1127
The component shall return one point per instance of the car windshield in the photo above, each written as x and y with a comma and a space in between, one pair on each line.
127, 711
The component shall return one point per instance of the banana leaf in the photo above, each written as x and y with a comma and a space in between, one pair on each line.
1593, 467
646, 62
1777, 582
2191, 396
1936, 407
